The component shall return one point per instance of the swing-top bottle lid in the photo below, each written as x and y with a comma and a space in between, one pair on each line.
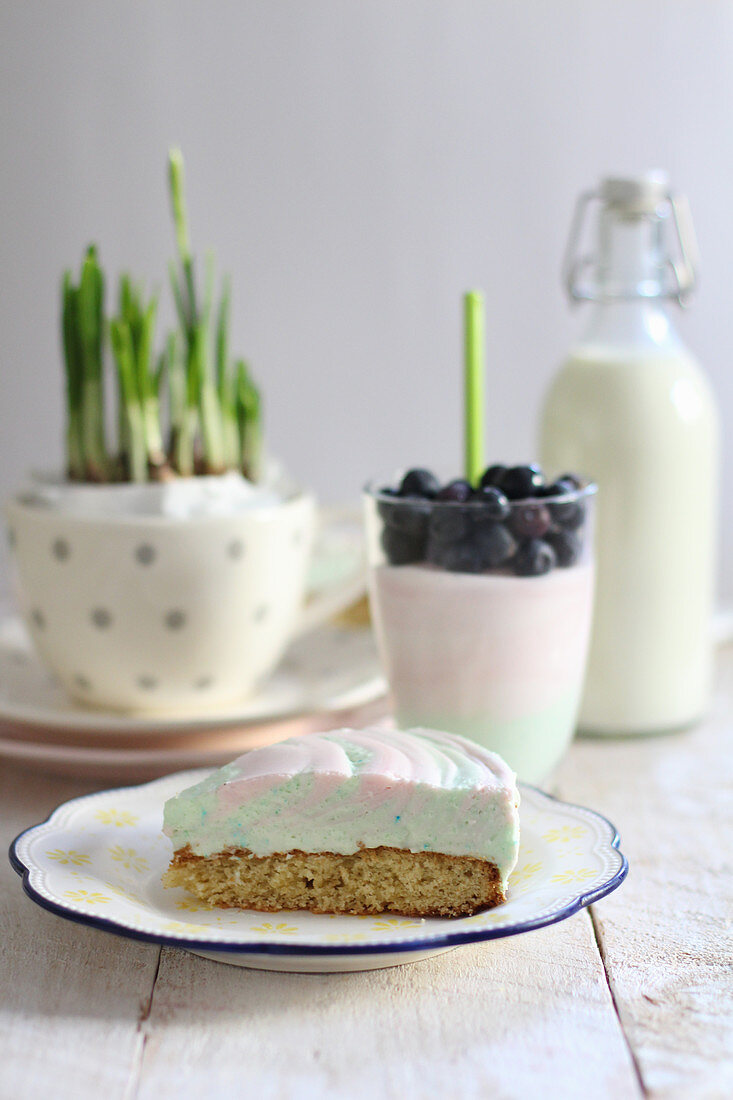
644, 198
640, 194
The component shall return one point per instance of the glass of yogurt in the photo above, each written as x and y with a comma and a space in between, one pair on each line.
481, 600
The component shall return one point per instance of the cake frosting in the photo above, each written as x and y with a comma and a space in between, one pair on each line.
348, 790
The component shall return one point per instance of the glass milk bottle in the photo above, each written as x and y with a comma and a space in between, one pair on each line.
631, 408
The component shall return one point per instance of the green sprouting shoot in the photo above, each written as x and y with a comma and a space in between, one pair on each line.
74, 379
172, 367
222, 337
249, 421
182, 408
214, 409
183, 240
133, 344
209, 280
149, 387
209, 408
226, 381
135, 457
196, 326
90, 318
82, 322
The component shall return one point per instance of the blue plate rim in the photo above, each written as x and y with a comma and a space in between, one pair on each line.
450, 939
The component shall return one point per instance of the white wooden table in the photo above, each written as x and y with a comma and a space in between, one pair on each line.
631, 998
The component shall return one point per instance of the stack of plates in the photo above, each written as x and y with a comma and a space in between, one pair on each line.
327, 679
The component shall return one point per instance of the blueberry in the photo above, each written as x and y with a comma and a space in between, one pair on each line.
573, 479
560, 488
533, 558
529, 521
400, 547
456, 557
495, 504
567, 513
492, 476
566, 545
408, 515
459, 491
419, 483
521, 482
385, 507
495, 545
449, 524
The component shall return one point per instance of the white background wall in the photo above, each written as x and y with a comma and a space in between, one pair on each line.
356, 166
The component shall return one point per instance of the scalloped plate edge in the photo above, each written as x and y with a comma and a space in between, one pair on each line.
432, 944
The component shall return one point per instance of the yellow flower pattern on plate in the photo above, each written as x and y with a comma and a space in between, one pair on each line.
564, 834
190, 929
282, 929
524, 873
86, 896
391, 924
116, 817
488, 917
128, 895
129, 858
581, 874
72, 856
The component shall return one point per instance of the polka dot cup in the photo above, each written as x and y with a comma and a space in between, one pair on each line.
149, 613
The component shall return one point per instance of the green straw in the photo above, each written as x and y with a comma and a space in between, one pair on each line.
473, 334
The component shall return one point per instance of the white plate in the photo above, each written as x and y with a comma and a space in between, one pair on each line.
99, 859
333, 667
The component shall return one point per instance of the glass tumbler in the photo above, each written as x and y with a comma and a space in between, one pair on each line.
482, 616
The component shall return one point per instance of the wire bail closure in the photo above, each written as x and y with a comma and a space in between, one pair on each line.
683, 270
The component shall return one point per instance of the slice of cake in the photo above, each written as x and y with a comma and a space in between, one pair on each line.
419, 823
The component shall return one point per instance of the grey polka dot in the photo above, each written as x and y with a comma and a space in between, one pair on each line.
101, 618
81, 682
11, 538
174, 620
261, 613
203, 683
38, 618
61, 549
147, 683
235, 549
145, 554
297, 538
20, 658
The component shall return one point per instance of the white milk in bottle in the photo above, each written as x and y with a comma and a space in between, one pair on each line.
632, 409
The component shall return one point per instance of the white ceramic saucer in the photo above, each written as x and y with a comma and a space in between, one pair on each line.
98, 860
327, 679
333, 667
205, 748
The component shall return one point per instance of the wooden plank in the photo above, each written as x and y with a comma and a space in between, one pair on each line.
665, 935
513, 1018
507, 1019
71, 998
